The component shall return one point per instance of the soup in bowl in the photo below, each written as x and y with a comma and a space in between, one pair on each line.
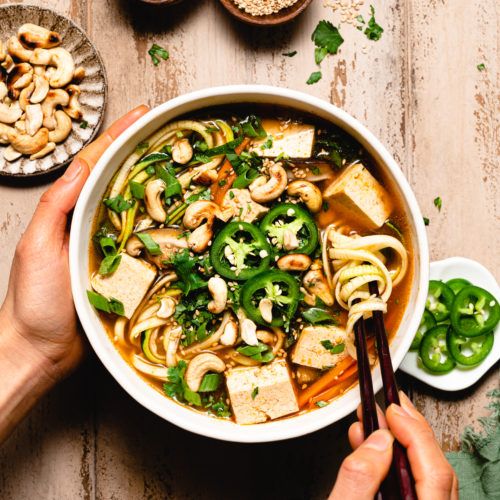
221, 253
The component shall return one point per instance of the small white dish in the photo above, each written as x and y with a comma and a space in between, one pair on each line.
460, 377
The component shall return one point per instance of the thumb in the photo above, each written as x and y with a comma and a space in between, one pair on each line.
56, 203
362, 472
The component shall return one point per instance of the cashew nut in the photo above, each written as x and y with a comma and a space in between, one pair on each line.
294, 262
8, 63
24, 96
171, 338
196, 213
20, 126
263, 190
79, 75
41, 89
54, 98
308, 193
10, 113
74, 109
14, 48
218, 289
182, 151
316, 284
290, 240
44, 151
199, 366
63, 127
28, 145
33, 36
10, 154
19, 78
230, 333
40, 57
65, 67
167, 307
248, 330
34, 118
5, 130
152, 200
266, 309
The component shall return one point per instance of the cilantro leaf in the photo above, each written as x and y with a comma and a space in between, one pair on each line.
327, 36
289, 54
314, 77
317, 315
260, 352
156, 51
255, 391
438, 203
333, 348
184, 264
481, 67
373, 31
118, 204
319, 54
426, 221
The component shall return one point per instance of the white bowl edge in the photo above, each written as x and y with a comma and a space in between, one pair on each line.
80, 234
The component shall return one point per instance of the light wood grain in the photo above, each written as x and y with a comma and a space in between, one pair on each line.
418, 89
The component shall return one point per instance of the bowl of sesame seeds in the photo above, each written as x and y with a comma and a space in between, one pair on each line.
265, 12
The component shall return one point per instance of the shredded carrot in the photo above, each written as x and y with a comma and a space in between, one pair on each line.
326, 381
334, 391
226, 173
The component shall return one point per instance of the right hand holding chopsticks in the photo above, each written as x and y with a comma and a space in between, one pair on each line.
363, 471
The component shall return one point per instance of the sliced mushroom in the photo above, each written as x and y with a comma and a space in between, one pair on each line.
201, 365
218, 289
266, 309
33, 36
63, 127
74, 109
41, 89
34, 118
54, 98
10, 113
5, 130
170, 241
182, 151
24, 96
40, 57
316, 284
65, 67
15, 49
153, 201
28, 145
79, 75
206, 177
19, 78
230, 334
44, 151
10, 154
263, 190
196, 214
308, 193
294, 262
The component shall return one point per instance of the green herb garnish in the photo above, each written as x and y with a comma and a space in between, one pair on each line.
84, 123
157, 52
373, 31
103, 304
327, 36
333, 348
260, 352
137, 189
426, 221
314, 77
151, 246
481, 67
438, 203
255, 392
289, 54
118, 204
210, 382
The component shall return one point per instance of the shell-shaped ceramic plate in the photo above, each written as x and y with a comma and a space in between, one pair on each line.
460, 377
93, 87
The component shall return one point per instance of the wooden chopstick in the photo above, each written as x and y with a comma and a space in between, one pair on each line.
400, 463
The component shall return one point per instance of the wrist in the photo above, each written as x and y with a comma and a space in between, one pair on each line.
25, 376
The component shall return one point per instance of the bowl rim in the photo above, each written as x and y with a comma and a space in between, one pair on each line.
144, 393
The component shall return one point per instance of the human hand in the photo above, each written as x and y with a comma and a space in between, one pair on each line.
363, 471
38, 311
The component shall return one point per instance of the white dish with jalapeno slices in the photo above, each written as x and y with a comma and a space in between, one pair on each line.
461, 376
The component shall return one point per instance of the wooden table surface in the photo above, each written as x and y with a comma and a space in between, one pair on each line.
418, 89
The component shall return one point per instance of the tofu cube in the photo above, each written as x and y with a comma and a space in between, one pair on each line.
296, 140
128, 284
309, 351
240, 205
272, 388
360, 196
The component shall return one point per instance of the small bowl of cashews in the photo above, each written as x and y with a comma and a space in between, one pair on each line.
52, 90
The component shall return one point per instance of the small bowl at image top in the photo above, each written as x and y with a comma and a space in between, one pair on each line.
281, 17
81, 228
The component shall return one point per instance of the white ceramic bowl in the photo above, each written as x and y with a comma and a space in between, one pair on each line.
79, 262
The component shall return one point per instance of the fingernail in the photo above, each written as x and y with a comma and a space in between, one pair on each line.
380, 440
399, 410
73, 171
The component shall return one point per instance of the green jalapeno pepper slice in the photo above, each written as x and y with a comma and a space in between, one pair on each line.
426, 323
240, 251
456, 284
439, 300
474, 312
434, 351
280, 288
469, 351
291, 222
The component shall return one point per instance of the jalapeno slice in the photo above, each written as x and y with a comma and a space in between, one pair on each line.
290, 228
240, 251
434, 350
426, 323
280, 288
439, 300
475, 311
469, 351
457, 284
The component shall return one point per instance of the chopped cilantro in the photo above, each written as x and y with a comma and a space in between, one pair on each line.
84, 123
268, 144
289, 54
255, 392
321, 404
158, 52
118, 204
314, 77
319, 54
481, 67
260, 352
315, 315
438, 203
142, 147
184, 264
426, 221
327, 36
176, 386
333, 348
373, 31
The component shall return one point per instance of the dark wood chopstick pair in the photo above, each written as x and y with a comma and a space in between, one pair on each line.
399, 483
